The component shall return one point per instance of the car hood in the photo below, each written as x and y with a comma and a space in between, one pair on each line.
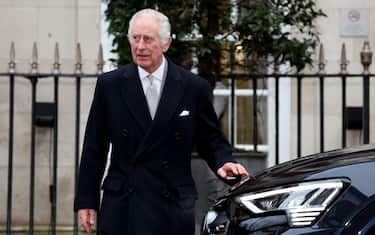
318, 166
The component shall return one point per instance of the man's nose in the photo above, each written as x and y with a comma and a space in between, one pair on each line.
141, 44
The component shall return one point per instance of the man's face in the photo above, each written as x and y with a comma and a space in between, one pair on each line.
146, 46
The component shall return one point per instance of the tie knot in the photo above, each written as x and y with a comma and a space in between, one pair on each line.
150, 78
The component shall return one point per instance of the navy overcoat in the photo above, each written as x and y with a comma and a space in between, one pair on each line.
149, 189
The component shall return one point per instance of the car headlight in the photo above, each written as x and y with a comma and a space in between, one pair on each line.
303, 202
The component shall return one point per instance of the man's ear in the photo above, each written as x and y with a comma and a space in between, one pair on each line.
167, 44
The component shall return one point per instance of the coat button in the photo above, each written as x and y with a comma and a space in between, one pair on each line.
165, 164
177, 135
124, 132
166, 194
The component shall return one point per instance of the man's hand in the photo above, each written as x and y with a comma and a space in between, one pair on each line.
231, 169
86, 219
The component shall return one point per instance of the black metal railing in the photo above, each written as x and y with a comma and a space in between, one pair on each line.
34, 76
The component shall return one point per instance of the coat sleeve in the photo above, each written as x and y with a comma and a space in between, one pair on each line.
94, 153
210, 141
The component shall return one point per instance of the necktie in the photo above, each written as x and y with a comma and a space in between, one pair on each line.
152, 96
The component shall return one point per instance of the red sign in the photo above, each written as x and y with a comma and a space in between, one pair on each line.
354, 15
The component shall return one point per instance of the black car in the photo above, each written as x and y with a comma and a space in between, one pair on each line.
326, 193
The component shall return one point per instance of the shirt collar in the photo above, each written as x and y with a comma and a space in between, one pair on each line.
158, 74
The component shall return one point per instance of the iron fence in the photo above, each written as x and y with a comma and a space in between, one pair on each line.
34, 76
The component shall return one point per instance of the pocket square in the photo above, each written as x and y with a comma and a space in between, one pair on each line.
184, 113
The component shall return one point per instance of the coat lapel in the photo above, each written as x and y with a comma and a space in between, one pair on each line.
170, 98
133, 95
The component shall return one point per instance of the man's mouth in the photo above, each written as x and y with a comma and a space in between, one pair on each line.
142, 56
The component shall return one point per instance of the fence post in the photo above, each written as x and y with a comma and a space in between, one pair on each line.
255, 113
53, 187
12, 70
233, 97
343, 72
366, 59
78, 73
321, 86
100, 63
299, 115
277, 117
34, 79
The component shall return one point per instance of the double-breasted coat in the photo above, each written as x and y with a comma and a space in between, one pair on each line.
149, 189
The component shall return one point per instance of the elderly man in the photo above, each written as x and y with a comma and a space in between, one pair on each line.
154, 113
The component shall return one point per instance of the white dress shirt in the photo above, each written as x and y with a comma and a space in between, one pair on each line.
157, 77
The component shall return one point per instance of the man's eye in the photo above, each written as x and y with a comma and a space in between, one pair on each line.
136, 37
147, 38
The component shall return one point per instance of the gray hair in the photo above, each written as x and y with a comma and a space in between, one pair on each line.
161, 19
